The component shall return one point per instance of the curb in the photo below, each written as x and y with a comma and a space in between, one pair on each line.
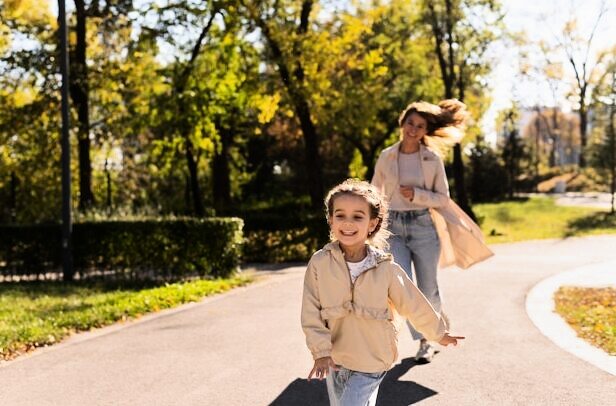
540, 309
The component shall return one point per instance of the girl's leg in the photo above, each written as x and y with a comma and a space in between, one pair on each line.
336, 381
361, 389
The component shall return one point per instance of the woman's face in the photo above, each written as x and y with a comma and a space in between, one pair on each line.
414, 128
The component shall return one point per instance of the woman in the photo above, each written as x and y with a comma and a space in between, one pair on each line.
423, 219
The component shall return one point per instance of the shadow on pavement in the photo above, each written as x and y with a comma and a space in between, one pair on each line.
392, 392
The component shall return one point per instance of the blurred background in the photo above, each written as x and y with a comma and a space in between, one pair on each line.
255, 108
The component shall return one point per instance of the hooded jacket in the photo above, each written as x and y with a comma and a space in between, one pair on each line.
461, 239
357, 324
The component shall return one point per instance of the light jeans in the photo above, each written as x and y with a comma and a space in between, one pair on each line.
346, 387
414, 244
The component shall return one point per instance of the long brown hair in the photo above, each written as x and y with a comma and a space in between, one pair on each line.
446, 122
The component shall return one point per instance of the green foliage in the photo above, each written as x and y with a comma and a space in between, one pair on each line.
36, 314
488, 179
283, 237
161, 249
540, 218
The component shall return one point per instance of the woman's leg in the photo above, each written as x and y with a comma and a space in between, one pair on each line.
398, 242
425, 248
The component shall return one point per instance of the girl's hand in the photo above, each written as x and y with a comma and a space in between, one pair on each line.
447, 339
408, 192
321, 367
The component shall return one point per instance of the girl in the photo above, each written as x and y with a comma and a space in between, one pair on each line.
427, 228
352, 292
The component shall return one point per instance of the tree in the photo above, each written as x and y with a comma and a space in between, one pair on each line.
461, 38
512, 148
286, 29
29, 113
107, 17
375, 63
577, 48
604, 150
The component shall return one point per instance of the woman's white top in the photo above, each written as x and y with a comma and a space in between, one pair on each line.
409, 174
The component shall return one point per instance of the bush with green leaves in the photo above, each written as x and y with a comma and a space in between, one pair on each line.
161, 249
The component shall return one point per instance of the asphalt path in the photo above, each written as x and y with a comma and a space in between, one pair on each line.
246, 347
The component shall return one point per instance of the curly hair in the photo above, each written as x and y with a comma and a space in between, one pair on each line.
446, 122
376, 201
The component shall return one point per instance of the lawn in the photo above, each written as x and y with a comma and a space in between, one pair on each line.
36, 314
540, 218
592, 314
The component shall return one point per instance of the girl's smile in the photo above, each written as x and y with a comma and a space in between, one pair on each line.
351, 224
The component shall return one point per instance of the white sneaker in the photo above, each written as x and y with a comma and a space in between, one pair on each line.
425, 353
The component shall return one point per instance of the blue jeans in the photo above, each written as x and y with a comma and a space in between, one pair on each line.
414, 244
346, 387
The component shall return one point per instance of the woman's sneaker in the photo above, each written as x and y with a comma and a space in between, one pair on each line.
425, 353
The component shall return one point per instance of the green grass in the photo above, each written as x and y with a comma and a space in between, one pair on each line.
37, 314
592, 314
540, 218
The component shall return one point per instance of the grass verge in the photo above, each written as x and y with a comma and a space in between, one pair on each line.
540, 218
592, 314
36, 314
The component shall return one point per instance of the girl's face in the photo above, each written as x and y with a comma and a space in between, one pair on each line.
350, 221
414, 128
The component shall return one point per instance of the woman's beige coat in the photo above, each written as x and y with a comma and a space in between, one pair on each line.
461, 239
357, 324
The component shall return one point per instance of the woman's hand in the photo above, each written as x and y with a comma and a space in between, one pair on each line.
447, 339
321, 367
408, 192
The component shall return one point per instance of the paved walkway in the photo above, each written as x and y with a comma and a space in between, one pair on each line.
597, 200
246, 347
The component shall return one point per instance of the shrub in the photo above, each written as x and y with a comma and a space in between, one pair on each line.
167, 249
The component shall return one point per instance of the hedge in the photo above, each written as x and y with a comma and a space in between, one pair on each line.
160, 249
283, 237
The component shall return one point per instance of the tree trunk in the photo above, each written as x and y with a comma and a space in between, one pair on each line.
195, 189
191, 162
612, 144
221, 173
583, 124
367, 158
187, 200
294, 84
13, 198
79, 94
443, 35
313, 158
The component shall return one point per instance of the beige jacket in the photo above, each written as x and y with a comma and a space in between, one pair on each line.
461, 239
354, 323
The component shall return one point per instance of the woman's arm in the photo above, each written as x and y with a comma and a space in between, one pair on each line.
440, 196
378, 179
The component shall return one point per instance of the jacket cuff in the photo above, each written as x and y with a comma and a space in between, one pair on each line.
440, 332
321, 354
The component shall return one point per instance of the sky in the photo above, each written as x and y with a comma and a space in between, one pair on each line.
541, 20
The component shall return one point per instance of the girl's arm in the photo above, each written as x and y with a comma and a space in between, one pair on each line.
318, 336
412, 304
